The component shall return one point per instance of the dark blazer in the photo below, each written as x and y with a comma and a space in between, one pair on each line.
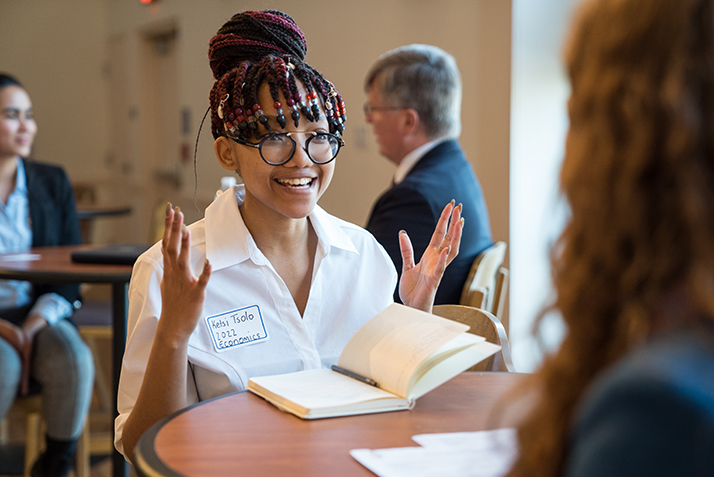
652, 414
53, 216
415, 205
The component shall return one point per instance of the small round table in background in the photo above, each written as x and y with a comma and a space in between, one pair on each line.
87, 214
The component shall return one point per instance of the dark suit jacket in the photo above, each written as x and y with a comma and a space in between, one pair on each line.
415, 205
53, 216
652, 414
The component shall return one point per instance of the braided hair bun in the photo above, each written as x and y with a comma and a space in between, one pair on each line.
252, 36
266, 46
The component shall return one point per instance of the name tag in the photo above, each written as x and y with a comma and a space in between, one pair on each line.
237, 328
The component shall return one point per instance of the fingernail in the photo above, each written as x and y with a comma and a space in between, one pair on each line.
453, 201
462, 220
177, 211
184, 230
206, 264
402, 232
168, 209
460, 206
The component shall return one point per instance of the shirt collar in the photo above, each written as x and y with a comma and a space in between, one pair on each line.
227, 238
228, 241
21, 178
412, 157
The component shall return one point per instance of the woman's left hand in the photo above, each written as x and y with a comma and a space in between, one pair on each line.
418, 284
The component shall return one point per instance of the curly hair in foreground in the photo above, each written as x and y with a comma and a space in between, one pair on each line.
639, 177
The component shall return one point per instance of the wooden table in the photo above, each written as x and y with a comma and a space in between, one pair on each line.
53, 265
241, 434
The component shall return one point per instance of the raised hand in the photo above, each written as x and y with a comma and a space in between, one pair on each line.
418, 283
182, 294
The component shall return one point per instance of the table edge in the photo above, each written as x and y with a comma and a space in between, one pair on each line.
149, 464
86, 275
146, 460
66, 277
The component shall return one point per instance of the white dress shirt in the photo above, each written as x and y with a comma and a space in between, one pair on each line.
353, 279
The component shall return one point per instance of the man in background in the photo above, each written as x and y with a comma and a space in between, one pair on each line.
414, 106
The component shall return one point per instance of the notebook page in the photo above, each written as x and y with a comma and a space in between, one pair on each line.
318, 388
390, 346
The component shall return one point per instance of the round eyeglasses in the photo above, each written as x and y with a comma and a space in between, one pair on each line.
278, 149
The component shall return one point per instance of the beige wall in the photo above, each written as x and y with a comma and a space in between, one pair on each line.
65, 53
55, 50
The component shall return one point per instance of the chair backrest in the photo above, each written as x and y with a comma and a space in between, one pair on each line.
31, 407
487, 280
484, 324
499, 295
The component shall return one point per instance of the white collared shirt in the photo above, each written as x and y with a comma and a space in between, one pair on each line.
412, 157
353, 279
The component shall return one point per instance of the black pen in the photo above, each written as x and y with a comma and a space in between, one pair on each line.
356, 376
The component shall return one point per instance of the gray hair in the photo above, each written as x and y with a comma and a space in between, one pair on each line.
424, 78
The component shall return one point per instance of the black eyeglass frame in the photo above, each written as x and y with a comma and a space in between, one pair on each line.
312, 135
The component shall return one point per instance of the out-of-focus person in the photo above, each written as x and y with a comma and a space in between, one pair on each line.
630, 392
414, 107
40, 348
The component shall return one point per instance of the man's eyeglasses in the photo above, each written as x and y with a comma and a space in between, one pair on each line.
369, 109
278, 149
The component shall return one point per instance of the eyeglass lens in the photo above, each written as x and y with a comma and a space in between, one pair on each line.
278, 149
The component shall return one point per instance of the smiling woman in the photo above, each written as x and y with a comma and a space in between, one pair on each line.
265, 248
18, 126
282, 178
37, 342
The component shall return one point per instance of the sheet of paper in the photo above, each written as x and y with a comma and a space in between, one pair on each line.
21, 257
460, 454
482, 440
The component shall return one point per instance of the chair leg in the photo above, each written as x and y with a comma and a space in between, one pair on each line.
33, 440
4, 432
34, 445
81, 460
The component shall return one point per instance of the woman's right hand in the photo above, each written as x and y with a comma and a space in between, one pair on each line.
182, 294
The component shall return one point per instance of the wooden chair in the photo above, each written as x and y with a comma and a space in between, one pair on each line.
487, 283
85, 194
101, 419
484, 324
31, 407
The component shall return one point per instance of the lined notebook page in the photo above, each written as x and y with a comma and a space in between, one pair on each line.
390, 346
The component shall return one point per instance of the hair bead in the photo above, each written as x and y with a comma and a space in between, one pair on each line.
254, 48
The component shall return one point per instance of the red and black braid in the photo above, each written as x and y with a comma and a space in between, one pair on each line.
267, 46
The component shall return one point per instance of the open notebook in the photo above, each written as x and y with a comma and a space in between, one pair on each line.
397, 356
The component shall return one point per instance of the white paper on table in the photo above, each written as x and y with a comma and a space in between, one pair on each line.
21, 257
481, 440
457, 454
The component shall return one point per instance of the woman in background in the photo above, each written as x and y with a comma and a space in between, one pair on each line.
631, 390
306, 279
39, 346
